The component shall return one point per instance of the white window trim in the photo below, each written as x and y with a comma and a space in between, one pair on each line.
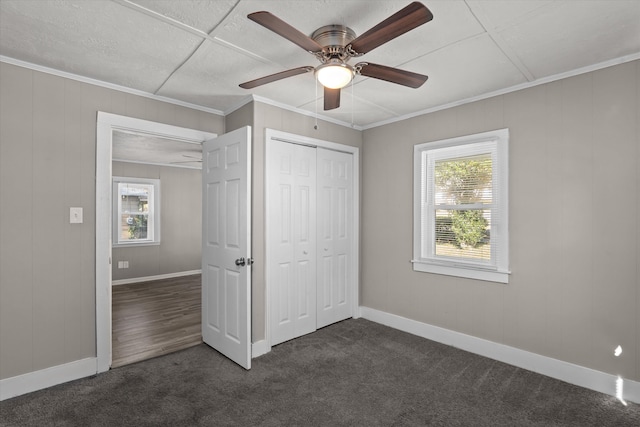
498, 272
154, 214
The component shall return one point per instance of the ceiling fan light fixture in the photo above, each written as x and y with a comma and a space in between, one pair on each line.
334, 45
335, 74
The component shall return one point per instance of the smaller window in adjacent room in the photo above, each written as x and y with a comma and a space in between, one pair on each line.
461, 207
136, 211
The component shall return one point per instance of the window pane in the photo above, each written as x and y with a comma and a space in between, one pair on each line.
134, 210
134, 227
463, 234
463, 180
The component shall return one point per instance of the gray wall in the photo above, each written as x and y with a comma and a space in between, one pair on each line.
574, 294
47, 164
180, 245
574, 203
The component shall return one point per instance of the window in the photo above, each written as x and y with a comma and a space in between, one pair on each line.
460, 207
136, 211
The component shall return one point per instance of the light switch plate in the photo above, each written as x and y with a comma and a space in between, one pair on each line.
75, 215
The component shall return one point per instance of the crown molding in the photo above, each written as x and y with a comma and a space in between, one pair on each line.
540, 81
268, 101
257, 98
100, 83
240, 104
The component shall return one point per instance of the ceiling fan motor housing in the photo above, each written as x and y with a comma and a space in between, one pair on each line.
333, 39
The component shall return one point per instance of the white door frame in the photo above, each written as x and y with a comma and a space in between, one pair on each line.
106, 124
271, 134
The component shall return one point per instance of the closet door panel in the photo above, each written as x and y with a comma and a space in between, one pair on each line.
291, 213
335, 234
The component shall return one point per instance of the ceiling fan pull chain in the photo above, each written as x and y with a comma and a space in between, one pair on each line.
315, 103
352, 105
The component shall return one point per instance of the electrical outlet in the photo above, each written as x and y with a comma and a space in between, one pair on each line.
126, 264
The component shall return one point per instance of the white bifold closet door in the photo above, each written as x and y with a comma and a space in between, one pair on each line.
291, 216
335, 231
309, 217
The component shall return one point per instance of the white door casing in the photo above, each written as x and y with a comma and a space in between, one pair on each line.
292, 212
106, 124
335, 231
226, 245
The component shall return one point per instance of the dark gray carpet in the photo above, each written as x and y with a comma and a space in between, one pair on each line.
354, 373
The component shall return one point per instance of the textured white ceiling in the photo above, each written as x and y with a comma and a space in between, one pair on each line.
199, 51
139, 148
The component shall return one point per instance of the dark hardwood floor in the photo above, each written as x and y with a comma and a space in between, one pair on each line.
155, 318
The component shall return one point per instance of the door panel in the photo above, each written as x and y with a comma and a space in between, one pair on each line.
292, 242
335, 213
343, 279
213, 295
324, 283
283, 291
232, 202
212, 221
232, 293
226, 286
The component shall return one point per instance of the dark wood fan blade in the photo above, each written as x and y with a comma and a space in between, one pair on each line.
275, 77
331, 98
285, 30
397, 24
390, 74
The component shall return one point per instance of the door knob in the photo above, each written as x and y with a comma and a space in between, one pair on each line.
240, 262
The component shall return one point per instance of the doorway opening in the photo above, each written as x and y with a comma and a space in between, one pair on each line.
109, 128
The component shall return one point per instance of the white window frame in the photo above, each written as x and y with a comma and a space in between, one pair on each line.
153, 217
495, 143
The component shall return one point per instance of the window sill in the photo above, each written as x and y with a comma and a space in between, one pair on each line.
134, 244
466, 272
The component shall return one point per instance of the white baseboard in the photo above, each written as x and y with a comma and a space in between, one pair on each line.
151, 278
564, 371
33, 381
554, 368
38, 380
259, 348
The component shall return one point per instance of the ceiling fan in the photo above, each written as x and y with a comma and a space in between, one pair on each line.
335, 45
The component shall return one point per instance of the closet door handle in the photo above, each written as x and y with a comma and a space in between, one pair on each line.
240, 262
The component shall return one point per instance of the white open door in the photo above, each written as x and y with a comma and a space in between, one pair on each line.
226, 245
